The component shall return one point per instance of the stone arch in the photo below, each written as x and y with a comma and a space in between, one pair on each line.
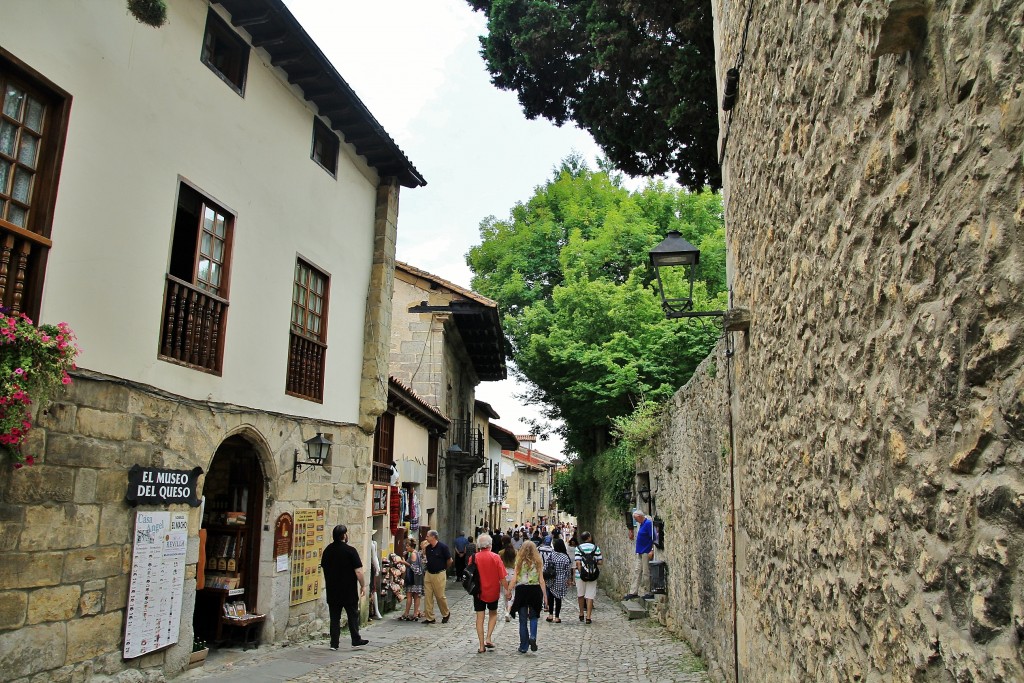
268, 463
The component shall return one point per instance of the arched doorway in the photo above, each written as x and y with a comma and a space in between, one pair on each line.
234, 491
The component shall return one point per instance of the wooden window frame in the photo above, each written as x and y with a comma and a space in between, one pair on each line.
383, 448
218, 29
194, 319
24, 249
307, 351
433, 443
326, 147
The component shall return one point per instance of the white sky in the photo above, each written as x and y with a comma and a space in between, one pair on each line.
416, 66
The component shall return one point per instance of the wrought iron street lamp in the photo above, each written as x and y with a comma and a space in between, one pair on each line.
675, 252
318, 450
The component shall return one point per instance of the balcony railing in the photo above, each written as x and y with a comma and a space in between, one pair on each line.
193, 326
306, 368
21, 255
468, 437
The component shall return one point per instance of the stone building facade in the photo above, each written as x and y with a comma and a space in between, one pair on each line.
874, 206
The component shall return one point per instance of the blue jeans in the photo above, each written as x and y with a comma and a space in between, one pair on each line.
526, 636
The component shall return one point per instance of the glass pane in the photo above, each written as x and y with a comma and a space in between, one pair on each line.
204, 248
3, 207
317, 306
12, 101
215, 275
34, 115
310, 322
218, 251
204, 270
301, 299
27, 150
7, 135
22, 185
17, 215
315, 327
222, 227
208, 218
5, 175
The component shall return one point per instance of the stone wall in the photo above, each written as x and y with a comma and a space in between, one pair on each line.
66, 530
874, 208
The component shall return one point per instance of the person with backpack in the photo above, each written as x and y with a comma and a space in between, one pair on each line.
588, 568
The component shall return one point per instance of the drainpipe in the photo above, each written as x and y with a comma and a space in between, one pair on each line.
729, 351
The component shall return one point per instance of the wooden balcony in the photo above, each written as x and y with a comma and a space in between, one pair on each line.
193, 326
22, 259
306, 368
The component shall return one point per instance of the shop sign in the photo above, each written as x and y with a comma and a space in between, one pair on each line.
156, 486
380, 500
283, 540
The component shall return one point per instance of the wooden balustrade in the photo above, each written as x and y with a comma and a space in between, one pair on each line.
17, 265
306, 368
193, 326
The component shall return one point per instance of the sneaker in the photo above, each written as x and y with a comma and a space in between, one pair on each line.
649, 596
360, 643
334, 647
630, 596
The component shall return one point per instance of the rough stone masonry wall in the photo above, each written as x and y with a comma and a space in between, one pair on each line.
690, 458
66, 530
874, 211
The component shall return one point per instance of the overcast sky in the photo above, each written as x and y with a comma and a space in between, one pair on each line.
416, 66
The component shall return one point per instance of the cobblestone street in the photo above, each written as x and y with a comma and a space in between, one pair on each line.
612, 649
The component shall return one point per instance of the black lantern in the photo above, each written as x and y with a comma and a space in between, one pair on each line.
674, 251
659, 577
318, 450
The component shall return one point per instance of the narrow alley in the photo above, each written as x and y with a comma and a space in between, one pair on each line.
612, 649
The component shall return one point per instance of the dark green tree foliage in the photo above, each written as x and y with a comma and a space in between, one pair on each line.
638, 74
569, 269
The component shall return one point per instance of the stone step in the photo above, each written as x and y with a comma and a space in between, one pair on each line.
634, 609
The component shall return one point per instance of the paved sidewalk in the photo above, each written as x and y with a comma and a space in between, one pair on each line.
610, 650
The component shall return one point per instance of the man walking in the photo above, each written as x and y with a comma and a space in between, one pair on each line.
644, 553
439, 559
343, 570
460, 555
491, 576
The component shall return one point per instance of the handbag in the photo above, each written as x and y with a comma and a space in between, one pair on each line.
471, 582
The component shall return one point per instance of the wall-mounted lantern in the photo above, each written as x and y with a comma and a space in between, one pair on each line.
318, 450
676, 252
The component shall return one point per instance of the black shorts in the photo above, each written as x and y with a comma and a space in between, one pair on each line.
479, 605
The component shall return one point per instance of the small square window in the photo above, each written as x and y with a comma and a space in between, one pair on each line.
325, 147
225, 52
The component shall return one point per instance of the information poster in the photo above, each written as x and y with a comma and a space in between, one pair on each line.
158, 575
307, 544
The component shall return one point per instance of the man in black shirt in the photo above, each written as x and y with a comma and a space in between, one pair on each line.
439, 558
343, 570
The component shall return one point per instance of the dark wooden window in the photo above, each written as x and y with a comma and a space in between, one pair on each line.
33, 127
432, 444
307, 347
325, 147
196, 300
225, 52
383, 448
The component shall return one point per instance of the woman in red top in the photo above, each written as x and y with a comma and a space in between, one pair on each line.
491, 576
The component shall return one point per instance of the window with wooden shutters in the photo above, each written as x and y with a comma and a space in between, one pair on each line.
432, 444
33, 127
383, 448
307, 347
196, 299
225, 52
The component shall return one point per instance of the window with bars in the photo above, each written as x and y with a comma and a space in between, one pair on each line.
196, 299
432, 445
383, 448
307, 348
33, 127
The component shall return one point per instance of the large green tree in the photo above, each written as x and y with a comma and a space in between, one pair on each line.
638, 74
569, 269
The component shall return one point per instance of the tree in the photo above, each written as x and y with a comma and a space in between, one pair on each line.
569, 269
638, 74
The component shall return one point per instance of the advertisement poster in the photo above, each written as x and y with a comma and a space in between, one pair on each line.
158, 575
307, 544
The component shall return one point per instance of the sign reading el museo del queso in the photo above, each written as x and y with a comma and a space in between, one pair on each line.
155, 486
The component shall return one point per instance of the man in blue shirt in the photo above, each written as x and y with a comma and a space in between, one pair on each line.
460, 554
644, 553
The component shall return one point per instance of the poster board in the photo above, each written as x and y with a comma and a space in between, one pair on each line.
380, 500
153, 614
307, 545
